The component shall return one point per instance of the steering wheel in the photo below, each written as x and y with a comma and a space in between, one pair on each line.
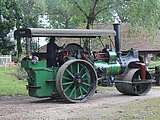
74, 50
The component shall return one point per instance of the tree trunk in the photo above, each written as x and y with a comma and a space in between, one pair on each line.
90, 21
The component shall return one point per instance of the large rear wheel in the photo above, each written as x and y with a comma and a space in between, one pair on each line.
76, 80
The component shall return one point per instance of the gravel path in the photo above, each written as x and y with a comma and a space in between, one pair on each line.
102, 106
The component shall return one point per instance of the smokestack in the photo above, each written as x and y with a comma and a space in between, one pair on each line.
117, 38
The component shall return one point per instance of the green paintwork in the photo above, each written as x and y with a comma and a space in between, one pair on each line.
42, 80
41, 77
112, 56
28, 64
112, 68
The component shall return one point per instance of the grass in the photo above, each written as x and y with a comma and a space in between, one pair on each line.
10, 84
140, 110
147, 109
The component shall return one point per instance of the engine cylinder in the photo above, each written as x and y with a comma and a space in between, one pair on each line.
110, 69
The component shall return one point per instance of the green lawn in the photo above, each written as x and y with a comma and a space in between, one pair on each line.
9, 83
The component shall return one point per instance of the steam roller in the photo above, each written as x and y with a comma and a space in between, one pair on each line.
79, 68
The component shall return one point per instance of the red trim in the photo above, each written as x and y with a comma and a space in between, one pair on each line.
100, 56
142, 67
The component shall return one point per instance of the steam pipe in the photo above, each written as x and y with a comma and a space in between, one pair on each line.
117, 39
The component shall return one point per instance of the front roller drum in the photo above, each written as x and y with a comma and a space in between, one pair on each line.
76, 80
137, 86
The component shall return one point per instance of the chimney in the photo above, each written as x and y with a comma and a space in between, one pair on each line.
117, 39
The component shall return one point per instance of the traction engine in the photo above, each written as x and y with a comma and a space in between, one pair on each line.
78, 72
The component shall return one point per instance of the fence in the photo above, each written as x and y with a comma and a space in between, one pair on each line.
4, 60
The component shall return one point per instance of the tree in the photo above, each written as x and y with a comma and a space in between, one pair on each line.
31, 11
61, 15
92, 8
142, 12
7, 22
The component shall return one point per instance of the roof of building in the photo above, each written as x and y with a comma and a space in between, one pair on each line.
135, 37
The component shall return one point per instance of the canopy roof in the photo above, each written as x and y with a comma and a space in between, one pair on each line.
42, 32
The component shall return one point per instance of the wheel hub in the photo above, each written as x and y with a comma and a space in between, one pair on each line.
77, 80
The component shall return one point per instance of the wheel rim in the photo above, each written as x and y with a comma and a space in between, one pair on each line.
132, 88
143, 88
76, 80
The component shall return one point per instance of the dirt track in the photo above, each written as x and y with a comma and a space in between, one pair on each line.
103, 105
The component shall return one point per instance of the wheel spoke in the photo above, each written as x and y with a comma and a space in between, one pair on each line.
135, 88
72, 91
67, 87
84, 75
85, 78
81, 70
78, 68
80, 89
140, 87
75, 95
67, 78
67, 83
84, 83
84, 89
139, 78
70, 73
71, 68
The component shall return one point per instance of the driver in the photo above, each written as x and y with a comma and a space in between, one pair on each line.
52, 49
